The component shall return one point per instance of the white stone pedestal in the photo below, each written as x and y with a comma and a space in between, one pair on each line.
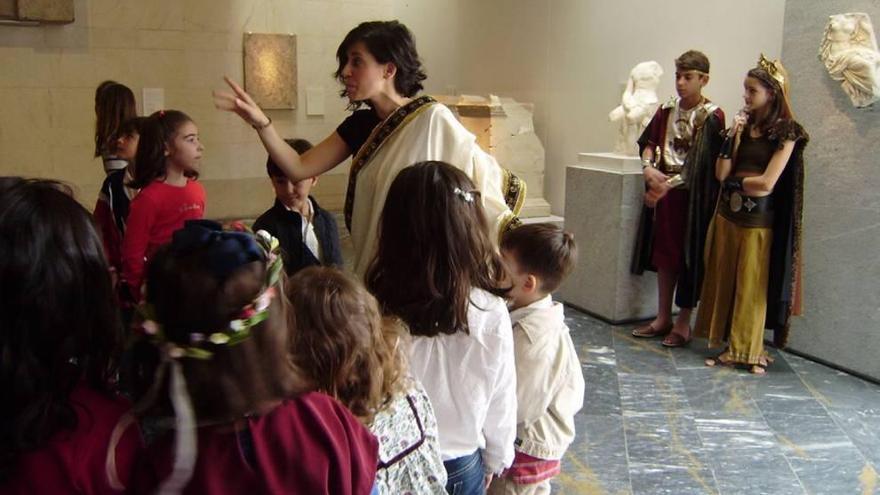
603, 202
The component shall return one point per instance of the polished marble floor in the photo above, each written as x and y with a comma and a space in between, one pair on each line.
657, 421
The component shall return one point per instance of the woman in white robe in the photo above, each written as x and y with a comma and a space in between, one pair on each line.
380, 70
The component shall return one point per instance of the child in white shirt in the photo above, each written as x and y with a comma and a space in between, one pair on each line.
550, 384
437, 269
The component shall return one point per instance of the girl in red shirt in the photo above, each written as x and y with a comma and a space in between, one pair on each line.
167, 163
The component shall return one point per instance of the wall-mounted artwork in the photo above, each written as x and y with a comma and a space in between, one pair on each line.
37, 11
849, 52
270, 69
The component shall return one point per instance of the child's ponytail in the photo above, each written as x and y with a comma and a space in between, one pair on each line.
156, 134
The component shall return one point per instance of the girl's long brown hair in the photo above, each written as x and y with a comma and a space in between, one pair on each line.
188, 297
114, 104
341, 342
434, 248
780, 108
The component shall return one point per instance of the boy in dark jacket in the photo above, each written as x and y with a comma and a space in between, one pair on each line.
307, 233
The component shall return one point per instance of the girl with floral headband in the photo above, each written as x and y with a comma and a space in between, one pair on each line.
753, 255
223, 380
442, 275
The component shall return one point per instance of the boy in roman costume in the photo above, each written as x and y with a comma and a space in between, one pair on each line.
678, 149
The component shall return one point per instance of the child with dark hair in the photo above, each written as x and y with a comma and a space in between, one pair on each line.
242, 419
111, 210
753, 250
63, 429
307, 232
549, 381
114, 105
678, 150
167, 163
437, 268
347, 349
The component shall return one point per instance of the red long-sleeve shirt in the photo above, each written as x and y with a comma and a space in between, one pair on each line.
155, 214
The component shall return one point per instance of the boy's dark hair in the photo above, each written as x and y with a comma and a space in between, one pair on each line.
114, 104
543, 250
131, 127
434, 248
60, 325
298, 145
189, 298
157, 131
387, 41
692, 60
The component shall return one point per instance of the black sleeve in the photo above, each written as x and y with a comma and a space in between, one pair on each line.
356, 129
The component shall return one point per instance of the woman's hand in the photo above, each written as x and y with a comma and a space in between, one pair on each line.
241, 103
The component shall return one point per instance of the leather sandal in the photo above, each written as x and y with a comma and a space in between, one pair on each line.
718, 361
758, 369
676, 340
648, 332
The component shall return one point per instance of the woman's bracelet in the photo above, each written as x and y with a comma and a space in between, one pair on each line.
261, 127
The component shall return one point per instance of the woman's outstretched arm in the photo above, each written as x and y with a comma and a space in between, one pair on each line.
323, 157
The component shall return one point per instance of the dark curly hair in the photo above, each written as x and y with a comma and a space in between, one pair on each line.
387, 41
60, 325
434, 247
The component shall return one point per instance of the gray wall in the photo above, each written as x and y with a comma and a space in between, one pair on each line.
841, 322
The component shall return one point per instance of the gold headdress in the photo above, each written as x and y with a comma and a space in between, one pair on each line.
774, 68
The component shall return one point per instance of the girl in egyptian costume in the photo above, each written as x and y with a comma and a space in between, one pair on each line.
753, 255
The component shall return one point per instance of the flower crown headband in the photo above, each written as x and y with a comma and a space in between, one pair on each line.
228, 251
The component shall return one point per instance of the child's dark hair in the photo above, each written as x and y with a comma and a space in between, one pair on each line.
387, 41
340, 340
543, 250
131, 127
60, 325
692, 60
434, 248
188, 296
157, 133
298, 145
114, 104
